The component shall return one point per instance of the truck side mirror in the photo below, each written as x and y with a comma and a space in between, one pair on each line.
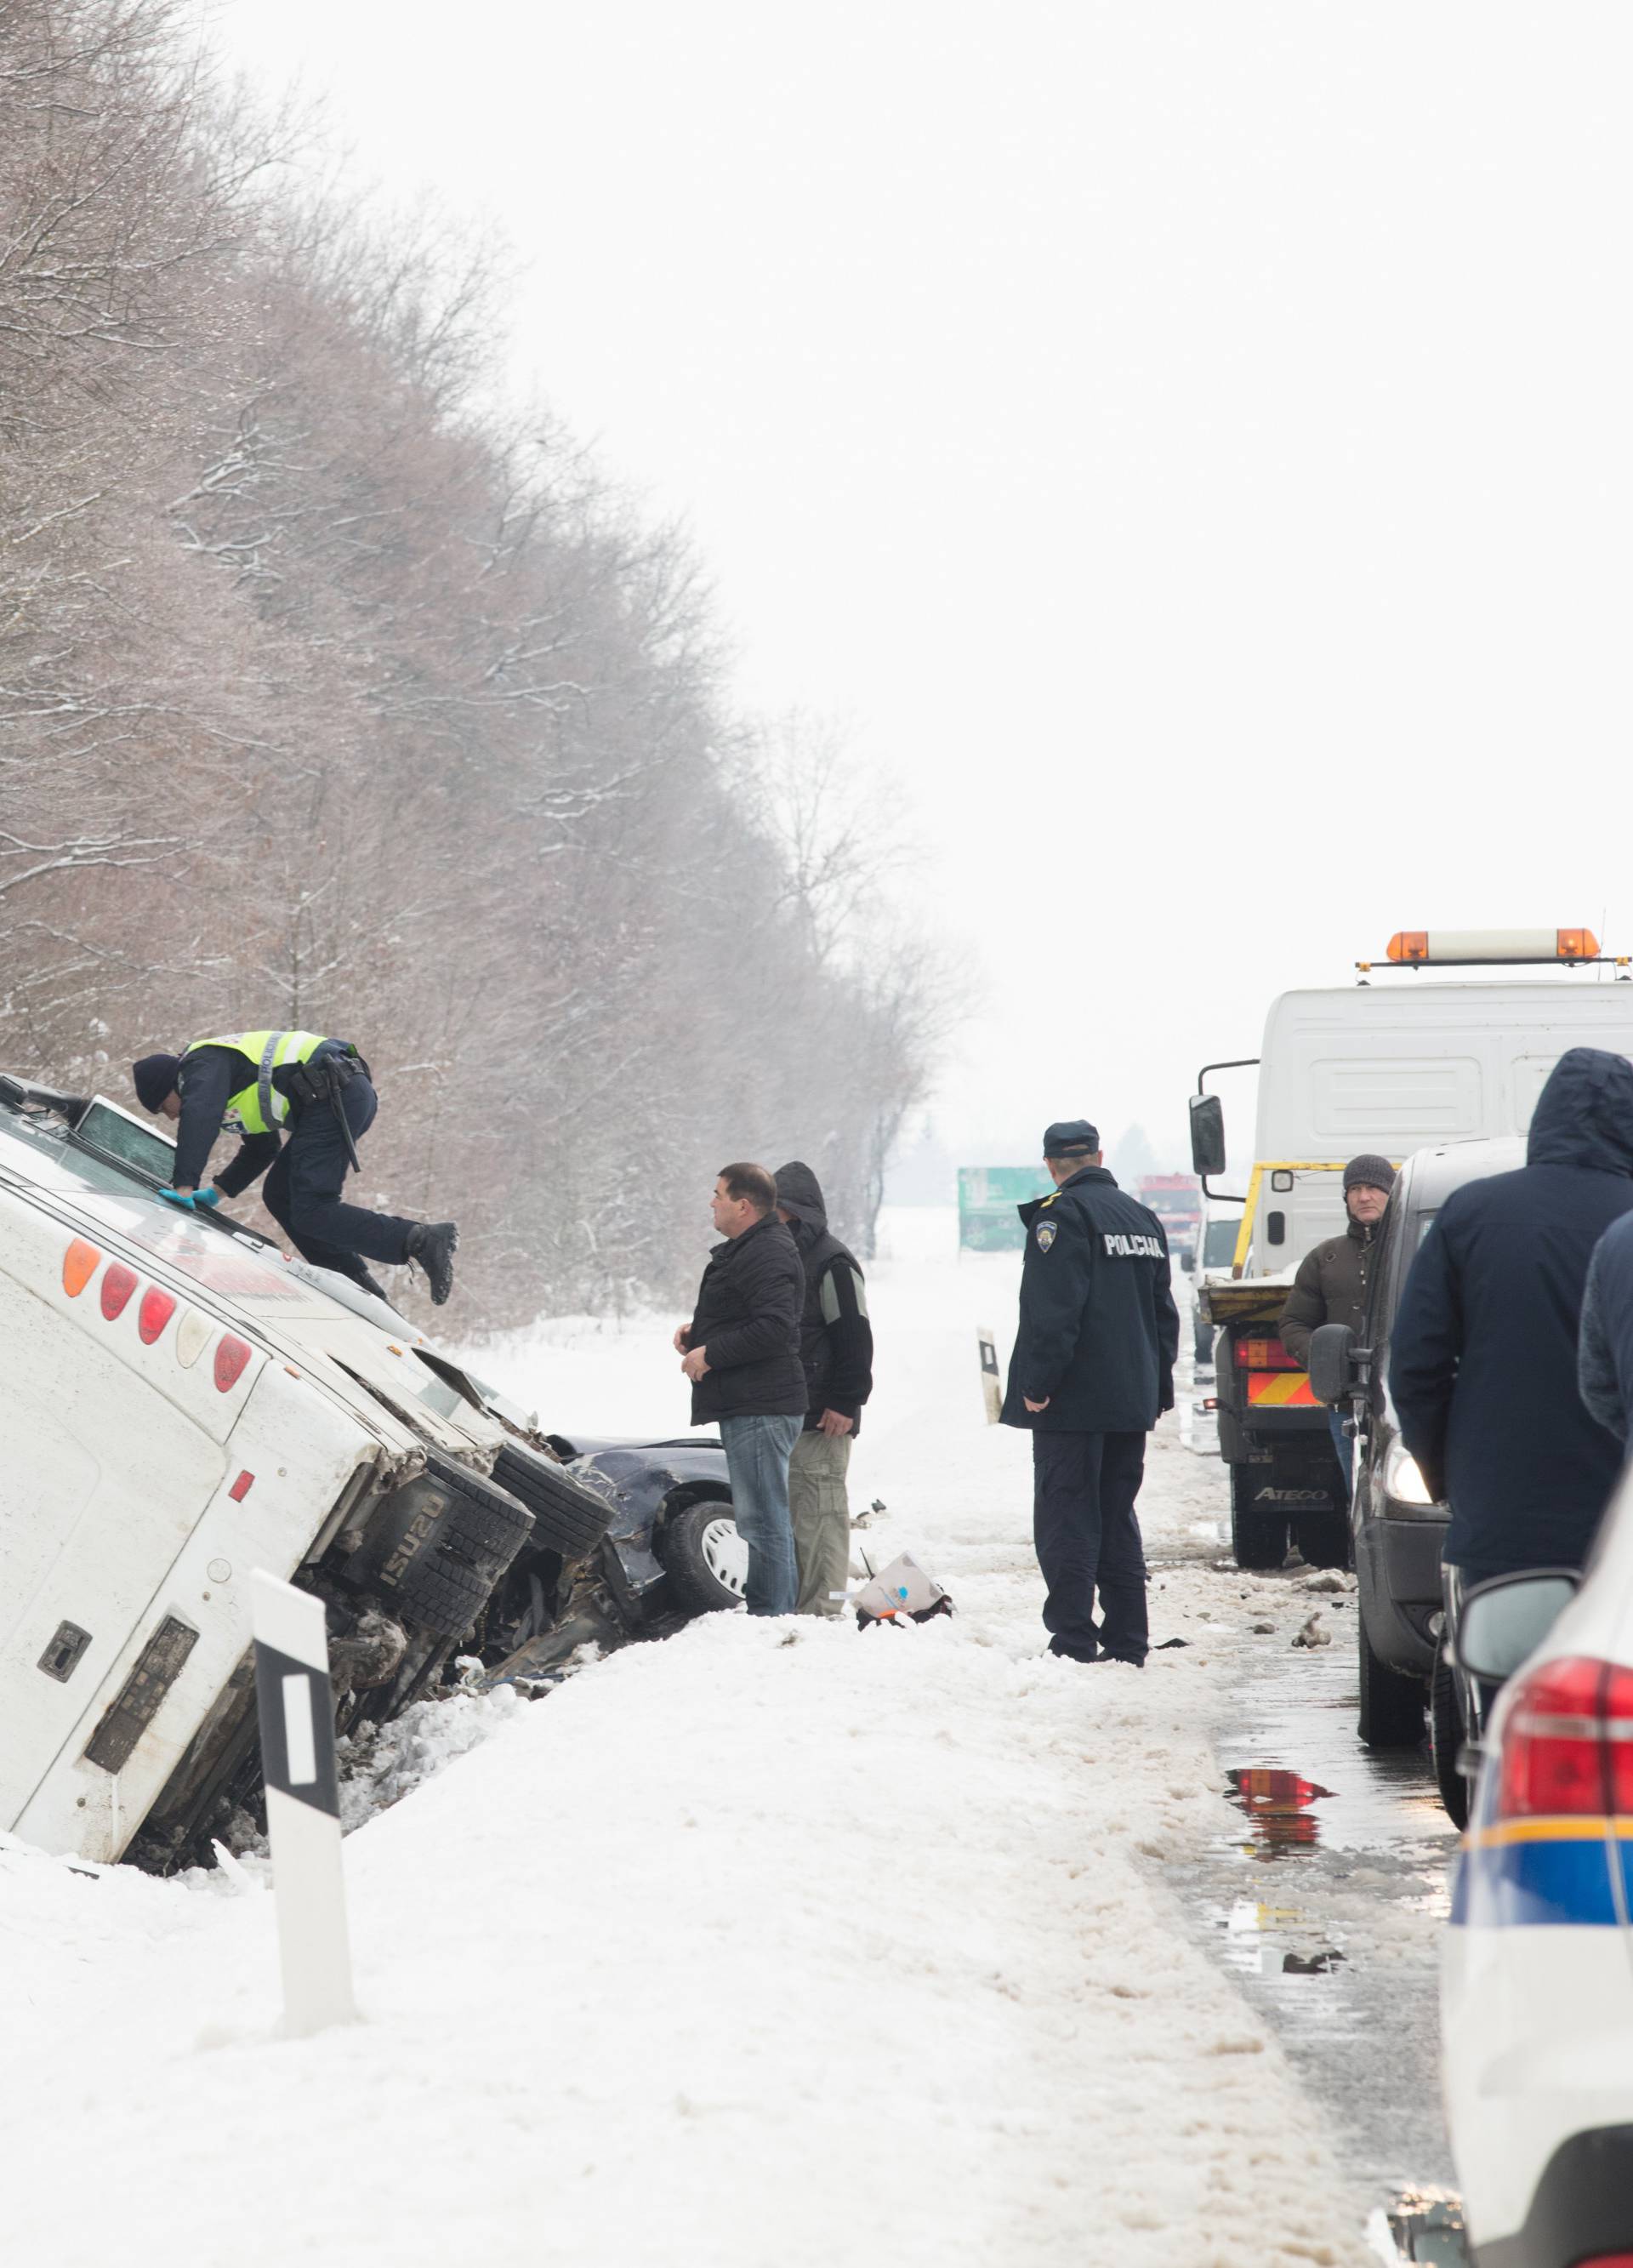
1333, 1365
1207, 1135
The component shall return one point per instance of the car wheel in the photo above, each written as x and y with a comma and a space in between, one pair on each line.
704, 1558
1258, 1532
567, 1516
1324, 1538
1392, 1706
1446, 1737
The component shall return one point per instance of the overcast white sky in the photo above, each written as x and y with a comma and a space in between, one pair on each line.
1191, 441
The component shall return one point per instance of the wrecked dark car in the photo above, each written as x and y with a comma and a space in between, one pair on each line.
666, 1549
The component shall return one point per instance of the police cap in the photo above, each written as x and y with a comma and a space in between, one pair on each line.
1070, 1138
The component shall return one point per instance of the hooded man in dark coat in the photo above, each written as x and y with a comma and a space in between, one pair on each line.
1482, 1365
836, 1348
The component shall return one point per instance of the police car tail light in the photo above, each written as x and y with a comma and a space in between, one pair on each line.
1568, 1743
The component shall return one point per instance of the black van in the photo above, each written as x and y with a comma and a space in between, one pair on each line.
1398, 1528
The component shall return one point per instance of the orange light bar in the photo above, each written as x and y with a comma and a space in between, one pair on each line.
1412, 946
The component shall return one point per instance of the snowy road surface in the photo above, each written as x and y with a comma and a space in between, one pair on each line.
789, 1943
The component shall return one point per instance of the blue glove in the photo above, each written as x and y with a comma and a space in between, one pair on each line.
210, 1197
175, 1197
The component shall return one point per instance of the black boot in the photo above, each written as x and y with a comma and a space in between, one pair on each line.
432, 1243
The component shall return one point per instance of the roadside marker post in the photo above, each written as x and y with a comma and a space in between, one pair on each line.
991, 1391
296, 1712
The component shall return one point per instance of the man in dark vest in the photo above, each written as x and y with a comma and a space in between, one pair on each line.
836, 1348
1091, 1372
318, 1090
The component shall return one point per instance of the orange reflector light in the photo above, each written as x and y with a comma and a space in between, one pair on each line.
117, 1285
155, 1312
231, 1356
241, 1487
79, 1265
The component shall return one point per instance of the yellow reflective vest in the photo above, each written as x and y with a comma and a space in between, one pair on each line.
258, 1107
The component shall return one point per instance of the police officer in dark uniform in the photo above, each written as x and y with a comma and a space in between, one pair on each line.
1091, 1372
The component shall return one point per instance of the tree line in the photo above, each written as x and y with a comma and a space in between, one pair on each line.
332, 695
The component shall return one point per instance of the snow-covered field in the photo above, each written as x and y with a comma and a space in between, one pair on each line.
775, 1943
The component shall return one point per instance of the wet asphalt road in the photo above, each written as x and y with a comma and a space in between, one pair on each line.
1327, 1907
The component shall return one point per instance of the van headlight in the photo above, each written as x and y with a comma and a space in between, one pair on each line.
1402, 1479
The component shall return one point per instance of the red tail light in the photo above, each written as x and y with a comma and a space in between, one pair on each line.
117, 1285
1264, 1354
1568, 1742
155, 1312
231, 1355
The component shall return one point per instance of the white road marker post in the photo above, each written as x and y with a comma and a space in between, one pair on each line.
297, 1711
991, 1392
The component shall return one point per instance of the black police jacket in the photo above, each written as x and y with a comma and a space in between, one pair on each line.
1483, 1356
748, 1323
1098, 1330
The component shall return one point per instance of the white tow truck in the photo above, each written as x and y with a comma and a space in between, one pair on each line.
1399, 1059
179, 1405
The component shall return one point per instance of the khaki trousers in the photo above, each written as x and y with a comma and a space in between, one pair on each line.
821, 1514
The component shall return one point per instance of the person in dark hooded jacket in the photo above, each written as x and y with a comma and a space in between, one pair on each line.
1482, 1366
836, 1347
1605, 1350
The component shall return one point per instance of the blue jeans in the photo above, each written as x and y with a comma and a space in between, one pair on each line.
757, 1451
1343, 1447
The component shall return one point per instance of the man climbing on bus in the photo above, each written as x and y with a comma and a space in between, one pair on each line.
319, 1091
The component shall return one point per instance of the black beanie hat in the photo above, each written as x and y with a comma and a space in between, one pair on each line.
155, 1078
1367, 1172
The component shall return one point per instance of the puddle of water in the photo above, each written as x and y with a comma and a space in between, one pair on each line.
1278, 1804
1323, 1904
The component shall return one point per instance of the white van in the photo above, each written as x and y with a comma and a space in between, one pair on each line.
1389, 1066
178, 1407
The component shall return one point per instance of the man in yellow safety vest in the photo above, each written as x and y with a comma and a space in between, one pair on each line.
319, 1091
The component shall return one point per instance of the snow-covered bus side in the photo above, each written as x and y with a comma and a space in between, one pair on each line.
176, 1411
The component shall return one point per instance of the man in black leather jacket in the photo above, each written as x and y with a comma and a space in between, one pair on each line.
741, 1353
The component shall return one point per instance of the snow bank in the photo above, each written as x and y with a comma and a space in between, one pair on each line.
772, 1943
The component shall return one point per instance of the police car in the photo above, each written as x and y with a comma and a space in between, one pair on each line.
1537, 1976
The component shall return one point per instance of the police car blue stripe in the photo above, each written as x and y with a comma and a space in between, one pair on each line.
1536, 1884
